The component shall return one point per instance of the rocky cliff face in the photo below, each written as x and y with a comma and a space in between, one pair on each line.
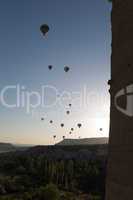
85, 141
120, 162
5, 147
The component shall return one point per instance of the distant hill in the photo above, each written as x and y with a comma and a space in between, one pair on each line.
92, 150
6, 147
85, 141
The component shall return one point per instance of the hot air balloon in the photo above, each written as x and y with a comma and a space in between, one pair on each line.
70, 104
44, 29
63, 137
70, 132
100, 129
66, 69
67, 112
72, 129
51, 121
50, 67
79, 125
54, 136
42, 119
62, 125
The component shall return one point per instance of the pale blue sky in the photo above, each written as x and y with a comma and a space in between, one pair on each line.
79, 37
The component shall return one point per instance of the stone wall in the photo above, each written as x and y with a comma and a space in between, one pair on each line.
120, 163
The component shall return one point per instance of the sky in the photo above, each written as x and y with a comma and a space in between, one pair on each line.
79, 37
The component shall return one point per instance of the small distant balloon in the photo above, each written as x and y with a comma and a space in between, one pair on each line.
101, 129
70, 132
51, 121
72, 129
44, 29
67, 112
63, 137
50, 67
42, 119
66, 69
54, 136
70, 104
62, 125
79, 125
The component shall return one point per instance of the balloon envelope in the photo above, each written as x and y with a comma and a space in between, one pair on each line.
50, 67
44, 29
66, 69
62, 125
68, 112
79, 125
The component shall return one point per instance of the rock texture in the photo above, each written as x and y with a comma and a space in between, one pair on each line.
84, 141
120, 163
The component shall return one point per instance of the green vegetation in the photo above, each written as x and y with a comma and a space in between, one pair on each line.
50, 192
31, 176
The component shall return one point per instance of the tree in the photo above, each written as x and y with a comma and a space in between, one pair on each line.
50, 192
